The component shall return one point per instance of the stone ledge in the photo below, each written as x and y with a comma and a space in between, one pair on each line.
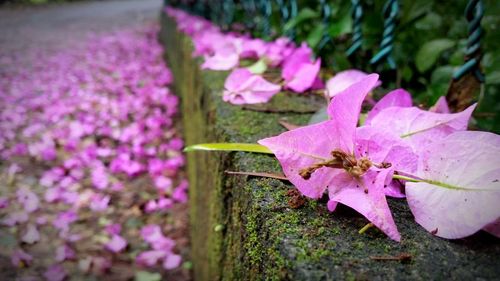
243, 228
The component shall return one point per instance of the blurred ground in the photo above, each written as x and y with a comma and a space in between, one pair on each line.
60, 25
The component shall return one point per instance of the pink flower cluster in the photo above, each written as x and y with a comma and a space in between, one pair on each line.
225, 51
450, 176
94, 118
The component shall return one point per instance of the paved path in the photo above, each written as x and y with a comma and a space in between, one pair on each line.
53, 26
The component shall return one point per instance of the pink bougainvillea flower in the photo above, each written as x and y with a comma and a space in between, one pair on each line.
459, 189
165, 203
324, 156
32, 235
180, 192
300, 72
304, 77
163, 183
243, 87
151, 206
20, 258
64, 219
278, 50
398, 98
116, 244
225, 58
100, 178
99, 203
55, 272
343, 80
49, 154
419, 127
150, 258
298, 57
172, 261
52, 194
253, 48
64, 252
28, 199
441, 106
380, 147
153, 235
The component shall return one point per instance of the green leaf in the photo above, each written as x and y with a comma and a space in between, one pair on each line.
147, 276
315, 35
246, 147
442, 74
303, 15
493, 78
430, 51
343, 26
258, 68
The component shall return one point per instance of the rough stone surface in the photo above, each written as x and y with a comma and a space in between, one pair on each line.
244, 228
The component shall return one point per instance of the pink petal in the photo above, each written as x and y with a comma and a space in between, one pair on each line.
172, 261
383, 148
221, 61
344, 109
398, 98
99, 203
151, 206
164, 244
301, 55
305, 76
150, 258
441, 106
180, 195
117, 244
165, 203
462, 191
419, 127
243, 87
302, 147
151, 233
344, 80
163, 183
367, 197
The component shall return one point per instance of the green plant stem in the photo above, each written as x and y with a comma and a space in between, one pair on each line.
400, 177
365, 228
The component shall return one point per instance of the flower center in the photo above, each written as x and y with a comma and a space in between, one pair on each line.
341, 160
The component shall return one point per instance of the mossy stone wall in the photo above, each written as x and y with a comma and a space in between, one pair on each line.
248, 228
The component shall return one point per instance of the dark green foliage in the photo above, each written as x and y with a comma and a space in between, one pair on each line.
429, 45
